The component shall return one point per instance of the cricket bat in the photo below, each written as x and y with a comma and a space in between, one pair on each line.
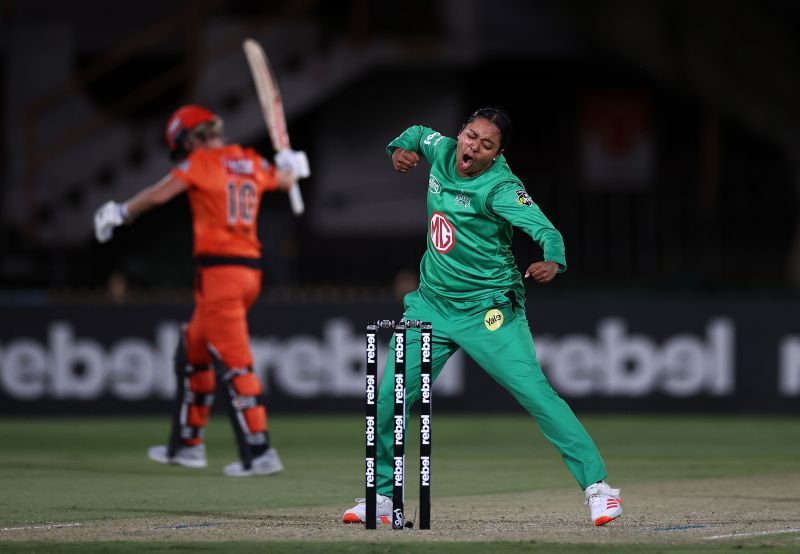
269, 96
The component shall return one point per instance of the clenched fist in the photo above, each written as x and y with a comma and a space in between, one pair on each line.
403, 160
542, 272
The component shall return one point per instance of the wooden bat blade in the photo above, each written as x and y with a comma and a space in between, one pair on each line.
269, 97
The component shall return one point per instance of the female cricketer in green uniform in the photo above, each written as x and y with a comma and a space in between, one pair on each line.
473, 294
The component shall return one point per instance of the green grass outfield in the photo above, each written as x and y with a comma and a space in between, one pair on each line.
78, 470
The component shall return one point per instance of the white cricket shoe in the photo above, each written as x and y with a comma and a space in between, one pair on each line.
604, 503
186, 456
266, 464
358, 513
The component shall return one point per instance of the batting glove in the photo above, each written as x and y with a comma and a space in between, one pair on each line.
109, 215
295, 161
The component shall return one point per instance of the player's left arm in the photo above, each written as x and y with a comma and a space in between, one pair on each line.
284, 179
293, 165
281, 175
512, 202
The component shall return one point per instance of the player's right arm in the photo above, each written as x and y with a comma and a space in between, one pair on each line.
160, 193
403, 160
415, 140
113, 214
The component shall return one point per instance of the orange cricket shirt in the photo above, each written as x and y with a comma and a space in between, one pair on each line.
225, 188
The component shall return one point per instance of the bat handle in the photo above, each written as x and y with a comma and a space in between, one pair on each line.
296, 200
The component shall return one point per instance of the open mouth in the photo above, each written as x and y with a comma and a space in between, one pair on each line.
466, 161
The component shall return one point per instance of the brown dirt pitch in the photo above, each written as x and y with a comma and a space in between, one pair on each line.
763, 509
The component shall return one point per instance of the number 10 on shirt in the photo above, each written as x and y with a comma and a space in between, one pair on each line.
269, 96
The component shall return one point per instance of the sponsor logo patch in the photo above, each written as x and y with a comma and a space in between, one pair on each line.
425, 471
398, 472
239, 166
442, 233
425, 389
173, 127
434, 185
370, 472
493, 319
463, 200
434, 135
399, 430
425, 431
523, 198
370, 390
370, 431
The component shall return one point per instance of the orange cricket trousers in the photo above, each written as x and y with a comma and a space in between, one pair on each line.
223, 295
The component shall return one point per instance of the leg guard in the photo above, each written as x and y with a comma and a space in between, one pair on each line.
194, 396
247, 409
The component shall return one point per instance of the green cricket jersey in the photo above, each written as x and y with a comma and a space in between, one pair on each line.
471, 220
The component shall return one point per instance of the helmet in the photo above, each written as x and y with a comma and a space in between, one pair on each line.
181, 122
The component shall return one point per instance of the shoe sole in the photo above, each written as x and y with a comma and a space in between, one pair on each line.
251, 473
173, 461
602, 520
350, 517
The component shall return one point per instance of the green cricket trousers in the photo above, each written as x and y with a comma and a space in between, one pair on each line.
493, 332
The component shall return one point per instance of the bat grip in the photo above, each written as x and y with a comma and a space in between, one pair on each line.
296, 200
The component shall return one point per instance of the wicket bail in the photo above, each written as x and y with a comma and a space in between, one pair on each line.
426, 397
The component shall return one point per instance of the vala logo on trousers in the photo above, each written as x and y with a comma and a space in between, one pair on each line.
493, 319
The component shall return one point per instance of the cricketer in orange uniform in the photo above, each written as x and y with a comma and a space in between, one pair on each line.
224, 188
224, 184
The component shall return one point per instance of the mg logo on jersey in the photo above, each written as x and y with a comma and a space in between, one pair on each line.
443, 234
